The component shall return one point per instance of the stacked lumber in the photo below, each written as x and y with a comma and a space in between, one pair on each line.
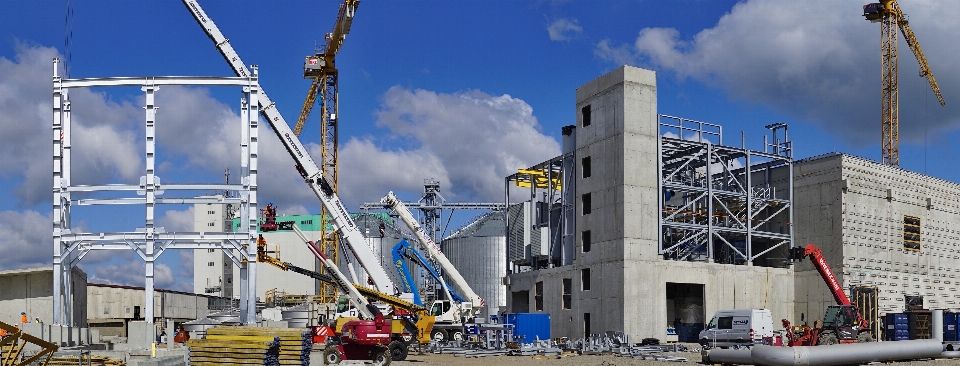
252, 346
84, 360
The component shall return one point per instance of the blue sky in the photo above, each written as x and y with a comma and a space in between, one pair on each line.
462, 91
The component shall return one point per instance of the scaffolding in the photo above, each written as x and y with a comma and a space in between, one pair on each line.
149, 242
723, 204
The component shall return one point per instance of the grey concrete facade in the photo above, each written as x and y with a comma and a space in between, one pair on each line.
854, 210
619, 281
31, 291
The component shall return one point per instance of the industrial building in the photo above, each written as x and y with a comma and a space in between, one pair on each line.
878, 226
612, 252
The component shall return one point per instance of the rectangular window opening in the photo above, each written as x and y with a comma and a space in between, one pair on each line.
585, 167
585, 113
586, 325
585, 279
585, 240
567, 293
538, 296
585, 203
911, 233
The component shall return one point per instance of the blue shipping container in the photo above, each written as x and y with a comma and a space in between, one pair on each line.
530, 326
950, 327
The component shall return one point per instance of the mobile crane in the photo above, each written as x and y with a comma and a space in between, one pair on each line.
842, 323
416, 319
450, 314
308, 169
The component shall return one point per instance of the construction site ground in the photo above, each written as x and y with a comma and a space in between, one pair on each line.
431, 359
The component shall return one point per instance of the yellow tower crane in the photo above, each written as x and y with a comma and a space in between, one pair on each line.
890, 17
321, 68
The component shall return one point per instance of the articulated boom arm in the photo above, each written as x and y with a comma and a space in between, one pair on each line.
404, 250
392, 202
820, 263
357, 294
312, 174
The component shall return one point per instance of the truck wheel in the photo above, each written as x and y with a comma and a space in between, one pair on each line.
865, 338
456, 335
827, 339
438, 335
332, 356
381, 357
398, 350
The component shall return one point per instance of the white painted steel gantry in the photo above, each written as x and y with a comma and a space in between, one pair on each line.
312, 174
150, 242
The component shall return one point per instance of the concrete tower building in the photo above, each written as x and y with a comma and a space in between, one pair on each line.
621, 278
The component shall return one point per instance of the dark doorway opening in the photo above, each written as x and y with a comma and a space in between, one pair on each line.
685, 313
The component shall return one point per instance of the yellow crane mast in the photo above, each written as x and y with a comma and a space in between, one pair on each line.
322, 69
890, 17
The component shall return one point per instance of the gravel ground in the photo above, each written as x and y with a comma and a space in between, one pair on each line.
430, 359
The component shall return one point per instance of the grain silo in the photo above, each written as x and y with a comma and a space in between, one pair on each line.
478, 251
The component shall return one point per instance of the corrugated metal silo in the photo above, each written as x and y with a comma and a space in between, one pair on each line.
479, 252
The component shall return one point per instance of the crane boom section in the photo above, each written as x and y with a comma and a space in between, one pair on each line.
311, 173
391, 201
914, 45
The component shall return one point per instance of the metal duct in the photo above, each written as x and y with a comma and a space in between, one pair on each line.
845, 354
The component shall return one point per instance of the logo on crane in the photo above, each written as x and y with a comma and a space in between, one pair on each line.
293, 145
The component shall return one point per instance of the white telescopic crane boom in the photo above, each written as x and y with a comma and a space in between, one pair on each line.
312, 174
392, 202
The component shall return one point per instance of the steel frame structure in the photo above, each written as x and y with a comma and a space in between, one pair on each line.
150, 242
719, 203
548, 179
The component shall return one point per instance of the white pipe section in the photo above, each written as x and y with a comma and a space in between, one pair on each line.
729, 356
844, 354
937, 325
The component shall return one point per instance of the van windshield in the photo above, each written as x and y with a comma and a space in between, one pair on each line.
713, 323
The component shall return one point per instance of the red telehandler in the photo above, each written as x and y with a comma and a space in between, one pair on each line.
842, 323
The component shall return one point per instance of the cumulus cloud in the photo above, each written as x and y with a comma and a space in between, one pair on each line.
25, 240
818, 65
173, 220
469, 141
564, 29
131, 273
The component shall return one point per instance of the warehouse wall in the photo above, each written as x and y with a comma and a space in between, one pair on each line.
31, 291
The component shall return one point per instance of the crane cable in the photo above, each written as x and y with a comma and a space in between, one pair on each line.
68, 38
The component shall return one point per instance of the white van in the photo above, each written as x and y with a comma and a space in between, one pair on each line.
737, 328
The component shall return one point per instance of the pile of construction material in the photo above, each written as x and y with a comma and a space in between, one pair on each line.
86, 360
252, 346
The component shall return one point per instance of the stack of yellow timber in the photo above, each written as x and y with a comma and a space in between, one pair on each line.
85, 360
250, 346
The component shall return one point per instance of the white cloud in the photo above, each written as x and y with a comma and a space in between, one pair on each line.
173, 220
564, 29
25, 240
468, 141
819, 65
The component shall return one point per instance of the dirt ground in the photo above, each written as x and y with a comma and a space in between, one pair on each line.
430, 359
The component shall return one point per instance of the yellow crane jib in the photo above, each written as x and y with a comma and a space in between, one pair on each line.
891, 18
540, 178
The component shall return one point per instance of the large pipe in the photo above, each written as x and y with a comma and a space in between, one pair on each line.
845, 354
729, 356
937, 325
